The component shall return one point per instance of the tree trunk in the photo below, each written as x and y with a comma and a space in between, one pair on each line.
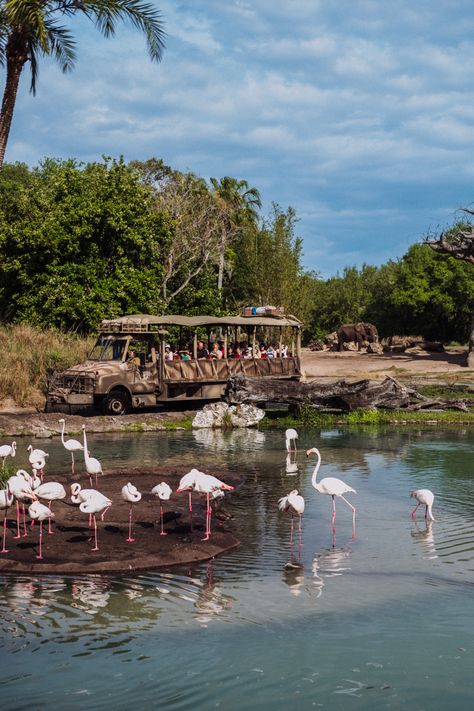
470, 355
220, 276
17, 55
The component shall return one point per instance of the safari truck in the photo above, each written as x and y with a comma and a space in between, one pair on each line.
129, 366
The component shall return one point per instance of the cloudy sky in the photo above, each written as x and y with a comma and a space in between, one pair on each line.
357, 113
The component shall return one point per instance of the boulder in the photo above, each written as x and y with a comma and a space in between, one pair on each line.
220, 414
375, 348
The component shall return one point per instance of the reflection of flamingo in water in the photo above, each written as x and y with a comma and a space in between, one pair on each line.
426, 538
163, 491
131, 494
291, 436
291, 467
205, 484
332, 487
72, 445
293, 503
425, 497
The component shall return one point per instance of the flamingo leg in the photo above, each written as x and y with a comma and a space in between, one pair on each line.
4, 550
40, 556
291, 531
72, 462
49, 520
414, 511
96, 547
190, 501
162, 532
18, 534
208, 526
130, 539
25, 532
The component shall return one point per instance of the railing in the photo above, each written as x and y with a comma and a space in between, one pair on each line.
222, 370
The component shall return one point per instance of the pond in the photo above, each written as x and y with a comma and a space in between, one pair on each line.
382, 620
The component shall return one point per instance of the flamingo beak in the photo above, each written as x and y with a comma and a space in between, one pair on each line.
226, 487
180, 491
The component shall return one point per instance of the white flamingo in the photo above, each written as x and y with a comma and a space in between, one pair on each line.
425, 497
291, 435
72, 445
163, 491
131, 494
205, 484
91, 502
50, 491
332, 487
36, 454
40, 512
93, 466
6, 500
20, 486
293, 503
7, 450
38, 467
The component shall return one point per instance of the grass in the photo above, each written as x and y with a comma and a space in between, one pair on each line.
28, 353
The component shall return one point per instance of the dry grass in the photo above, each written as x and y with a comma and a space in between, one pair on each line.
27, 353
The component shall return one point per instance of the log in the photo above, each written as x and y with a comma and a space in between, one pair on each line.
340, 395
387, 394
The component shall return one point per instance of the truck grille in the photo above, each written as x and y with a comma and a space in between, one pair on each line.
73, 383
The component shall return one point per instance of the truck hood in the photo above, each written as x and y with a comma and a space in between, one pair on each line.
90, 367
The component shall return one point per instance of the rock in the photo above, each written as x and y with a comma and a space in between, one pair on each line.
351, 346
316, 346
330, 339
374, 348
433, 346
220, 414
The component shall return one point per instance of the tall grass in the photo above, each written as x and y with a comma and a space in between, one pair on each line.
27, 353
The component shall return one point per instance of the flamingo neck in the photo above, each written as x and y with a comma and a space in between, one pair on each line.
316, 470
62, 432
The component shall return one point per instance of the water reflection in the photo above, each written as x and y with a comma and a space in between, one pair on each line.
425, 537
291, 465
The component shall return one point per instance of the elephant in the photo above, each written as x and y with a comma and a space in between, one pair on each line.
358, 333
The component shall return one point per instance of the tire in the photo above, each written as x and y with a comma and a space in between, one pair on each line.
116, 403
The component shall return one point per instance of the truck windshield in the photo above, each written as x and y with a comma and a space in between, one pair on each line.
107, 348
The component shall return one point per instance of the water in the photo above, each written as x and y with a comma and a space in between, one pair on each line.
379, 621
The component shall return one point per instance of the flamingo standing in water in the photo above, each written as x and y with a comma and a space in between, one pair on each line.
291, 435
6, 500
332, 487
7, 450
20, 486
93, 466
40, 512
205, 484
51, 491
37, 459
131, 494
294, 504
92, 502
425, 497
72, 445
163, 491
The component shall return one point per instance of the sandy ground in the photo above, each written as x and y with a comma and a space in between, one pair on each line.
413, 365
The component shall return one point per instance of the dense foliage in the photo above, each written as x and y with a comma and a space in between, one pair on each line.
79, 243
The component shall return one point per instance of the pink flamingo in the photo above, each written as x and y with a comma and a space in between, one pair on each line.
41, 512
6, 500
7, 450
92, 503
20, 486
205, 484
131, 494
425, 497
163, 491
50, 491
294, 504
332, 487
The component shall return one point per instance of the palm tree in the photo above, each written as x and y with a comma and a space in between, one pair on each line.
236, 204
31, 29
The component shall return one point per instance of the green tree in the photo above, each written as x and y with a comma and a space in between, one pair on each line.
31, 29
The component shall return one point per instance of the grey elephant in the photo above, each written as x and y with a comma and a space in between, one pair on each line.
357, 333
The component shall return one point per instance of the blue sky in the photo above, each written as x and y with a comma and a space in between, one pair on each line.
359, 114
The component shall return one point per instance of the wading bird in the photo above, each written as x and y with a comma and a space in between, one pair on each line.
50, 491
40, 512
131, 494
7, 450
93, 466
205, 484
72, 445
425, 497
6, 500
91, 502
332, 487
163, 491
291, 435
293, 503
20, 486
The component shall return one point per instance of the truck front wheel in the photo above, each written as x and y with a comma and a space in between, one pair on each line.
116, 403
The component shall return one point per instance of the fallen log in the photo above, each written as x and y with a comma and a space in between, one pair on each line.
340, 395
363, 394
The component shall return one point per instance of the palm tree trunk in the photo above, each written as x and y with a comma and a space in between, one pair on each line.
17, 55
220, 276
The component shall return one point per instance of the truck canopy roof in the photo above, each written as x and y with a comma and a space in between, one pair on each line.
145, 322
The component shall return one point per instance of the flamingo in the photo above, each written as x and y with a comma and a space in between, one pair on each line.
291, 435
39, 511
332, 487
19, 485
131, 494
93, 466
38, 467
72, 445
6, 500
51, 491
92, 502
425, 497
205, 484
186, 483
36, 454
7, 450
163, 491
294, 504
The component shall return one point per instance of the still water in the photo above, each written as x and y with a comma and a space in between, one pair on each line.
384, 620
